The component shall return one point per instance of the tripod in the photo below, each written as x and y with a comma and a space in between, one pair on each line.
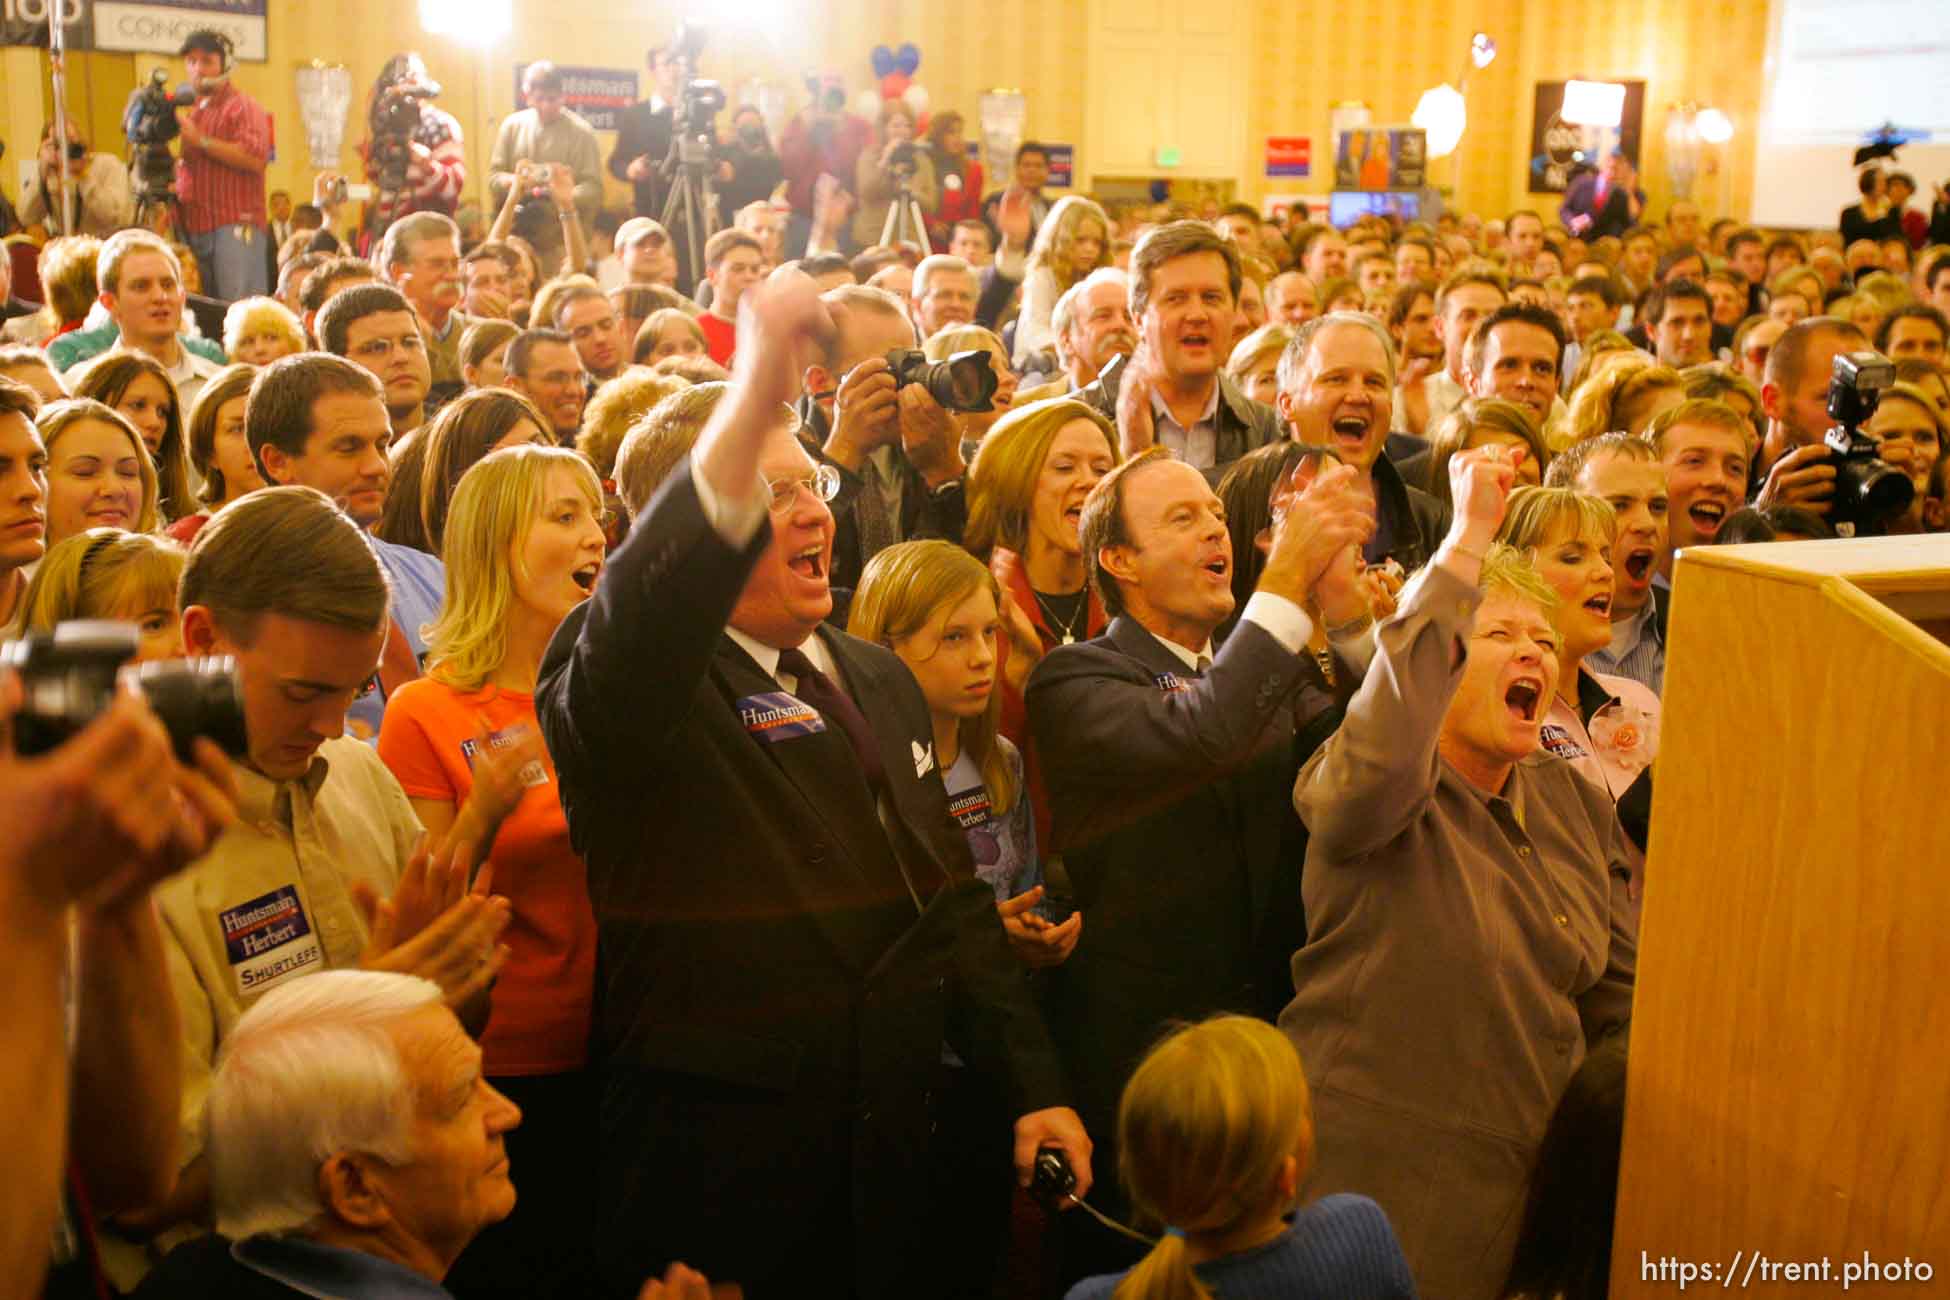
691, 208
905, 222
155, 177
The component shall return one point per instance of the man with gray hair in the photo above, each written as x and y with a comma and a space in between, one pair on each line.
420, 256
355, 1148
1092, 325
1337, 380
1174, 393
949, 291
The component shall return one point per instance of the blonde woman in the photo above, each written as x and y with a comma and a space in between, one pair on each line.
524, 547
67, 271
1605, 726
1255, 361
1073, 241
99, 474
219, 451
950, 339
876, 183
1215, 1133
1484, 422
1622, 397
257, 331
106, 573
138, 388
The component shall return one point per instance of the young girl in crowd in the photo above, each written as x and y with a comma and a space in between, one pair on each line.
484, 352
1216, 1131
99, 474
935, 606
219, 451
136, 385
524, 547
258, 331
1025, 503
1073, 241
667, 332
109, 574
1480, 422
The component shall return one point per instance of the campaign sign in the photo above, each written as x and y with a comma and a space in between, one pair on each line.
599, 94
776, 716
1289, 155
268, 939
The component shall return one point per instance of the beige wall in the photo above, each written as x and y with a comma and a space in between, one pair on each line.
1307, 55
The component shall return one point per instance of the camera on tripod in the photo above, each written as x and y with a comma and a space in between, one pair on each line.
1868, 490
149, 123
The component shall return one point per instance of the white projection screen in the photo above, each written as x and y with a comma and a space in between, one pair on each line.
1837, 70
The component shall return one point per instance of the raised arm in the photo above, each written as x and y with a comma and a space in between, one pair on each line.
623, 669
1378, 771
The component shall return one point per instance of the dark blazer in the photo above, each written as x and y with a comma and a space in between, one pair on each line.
1416, 520
640, 131
924, 513
1171, 801
781, 955
1581, 199
1244, 425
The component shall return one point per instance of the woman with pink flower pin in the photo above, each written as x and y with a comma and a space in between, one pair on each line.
1607, 727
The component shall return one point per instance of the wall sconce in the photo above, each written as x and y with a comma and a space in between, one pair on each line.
1443, 111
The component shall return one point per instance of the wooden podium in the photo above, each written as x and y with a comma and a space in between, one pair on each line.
1789, 1086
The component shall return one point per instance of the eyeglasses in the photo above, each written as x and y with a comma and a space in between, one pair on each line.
823, 482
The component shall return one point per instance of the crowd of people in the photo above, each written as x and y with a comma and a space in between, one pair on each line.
791, 773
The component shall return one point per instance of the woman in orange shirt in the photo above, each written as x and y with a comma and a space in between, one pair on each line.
523, 546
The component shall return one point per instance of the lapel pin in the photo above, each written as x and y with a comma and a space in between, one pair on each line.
923, 758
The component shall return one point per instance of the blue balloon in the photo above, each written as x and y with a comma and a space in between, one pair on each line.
883, 61
906, 59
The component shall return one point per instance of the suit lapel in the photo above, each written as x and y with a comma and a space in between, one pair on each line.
823, 770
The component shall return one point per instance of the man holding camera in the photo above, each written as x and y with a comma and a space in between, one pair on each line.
896, 447
546, 132
1799, 467
643, 133
414, 157
220, 180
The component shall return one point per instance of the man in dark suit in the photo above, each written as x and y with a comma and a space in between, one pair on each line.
1170, 770
1603, 203
643, 134
790, 922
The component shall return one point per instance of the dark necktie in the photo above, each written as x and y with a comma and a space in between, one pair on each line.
820, 691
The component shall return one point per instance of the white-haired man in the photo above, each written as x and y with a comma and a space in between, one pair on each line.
355, 1148
1092, 324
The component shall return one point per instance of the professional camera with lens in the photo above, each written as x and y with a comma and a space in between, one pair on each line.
535, 213
395, 117
149, 123
964, 382
68, 676
1868, 490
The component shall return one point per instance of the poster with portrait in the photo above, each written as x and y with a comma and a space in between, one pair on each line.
1560, 150
1381, 158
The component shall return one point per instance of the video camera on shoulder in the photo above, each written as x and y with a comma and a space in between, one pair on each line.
68, 677
1868, 490
964, 382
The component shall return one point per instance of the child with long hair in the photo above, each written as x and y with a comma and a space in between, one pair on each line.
1073, 241
106, 573
1215, 1133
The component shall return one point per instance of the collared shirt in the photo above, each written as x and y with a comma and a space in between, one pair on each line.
767, 658
1636, 651
1285, 621
272, 900
214, 194
419, 585
316, 1269
1197, 446
443, 348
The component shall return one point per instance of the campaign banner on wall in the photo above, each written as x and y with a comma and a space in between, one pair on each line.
1062, 166
1289, 155
599, 94
147, 27
1559, 150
